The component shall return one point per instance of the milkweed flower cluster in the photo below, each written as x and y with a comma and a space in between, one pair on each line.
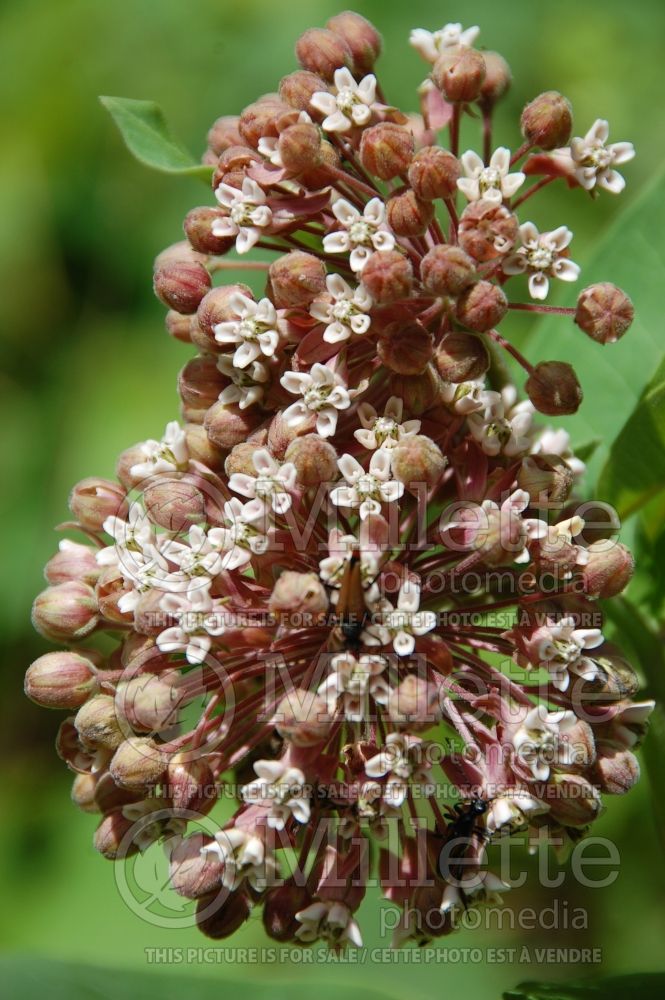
353, 582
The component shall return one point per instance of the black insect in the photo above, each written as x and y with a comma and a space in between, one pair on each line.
461, 836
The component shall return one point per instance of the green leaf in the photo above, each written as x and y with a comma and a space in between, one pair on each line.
635, 469
31, 978
645, 984
631, 254
147, 136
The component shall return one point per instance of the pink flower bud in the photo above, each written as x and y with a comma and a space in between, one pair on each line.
174, 504
553, 388
198, 230
388, 276
226, 918
149, 702
433, 173
609, 569
126, 462
280, 908
181, 285
547, 479
178, 326
296, 279
200, 382
299, 147
227, 425
547, 121
215, 308
189, 783
459, 74
72, 562
408, 215
302, 718
498, 79
224, 133
414, 703
298, 599
616, 771
67, 611
93, 500
405, 348
461, 357
109, 796
191, 873
83, 792
178, 253
487, 231
297, 88
201, 448
138, 763
572, 799
259, 120
447, 270
97, 723
481, 307
322, 52
362, 38
315, 460
386, 150
419, 392
604, 312
61, 680
416, 459
112, 838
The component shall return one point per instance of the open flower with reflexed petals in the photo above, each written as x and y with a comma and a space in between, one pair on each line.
559, 647
323, 393
361, 234
594, 159
282, 787
254, 331
244, 856
247, 534
273, 484
248, 385
367, 489
430, 44
329, 921
492, 182
350, 106
385, 431
346, 314
542, 256
403, 623
198, 618
540, 740
168, 455
355, 680
402, 761
249, 215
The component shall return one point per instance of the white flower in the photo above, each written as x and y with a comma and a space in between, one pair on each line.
500, 428
135, 552
273, 483
198, 619
385, 431
254, 331
355, 680
538, 740
168, 455
492, 183
196, 557
323, 393
430, 44
351, 105
366, 490
484, 888
249, 532
465, 397
346, 314
511, 809
553, 441
247, 384
561, 648
594, 160
331, 921
541, 257
402, 759
248, 214
361, 234
269, 144
244, 856
280, 786
151, 822
402, 623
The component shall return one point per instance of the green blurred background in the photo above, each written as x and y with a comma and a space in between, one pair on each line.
88, 371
